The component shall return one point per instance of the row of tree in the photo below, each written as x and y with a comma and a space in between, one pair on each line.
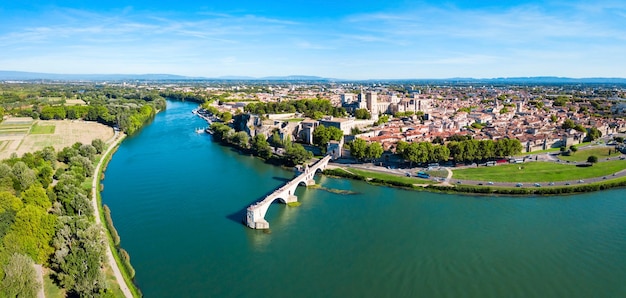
125, 108
50, 223
426, 152
312, 108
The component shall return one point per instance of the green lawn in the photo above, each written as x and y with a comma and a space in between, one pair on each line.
50, 289
582, 155
557, 149
389, 177
538, 172
42, 129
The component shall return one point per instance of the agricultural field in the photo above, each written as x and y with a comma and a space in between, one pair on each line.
539, 172
21, 135
42, 129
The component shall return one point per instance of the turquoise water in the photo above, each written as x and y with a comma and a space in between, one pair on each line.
177, 200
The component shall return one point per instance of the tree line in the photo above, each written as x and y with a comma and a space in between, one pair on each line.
128, 109
312, 108
259, 145
47, 218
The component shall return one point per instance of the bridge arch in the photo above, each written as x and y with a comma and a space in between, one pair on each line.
255, 213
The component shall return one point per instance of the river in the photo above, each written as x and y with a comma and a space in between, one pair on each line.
177, 199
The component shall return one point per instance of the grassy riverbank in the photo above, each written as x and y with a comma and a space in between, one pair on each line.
600, 151
114, 249
393, 180
539, 172
496, 190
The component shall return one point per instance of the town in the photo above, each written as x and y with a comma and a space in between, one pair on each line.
540, 117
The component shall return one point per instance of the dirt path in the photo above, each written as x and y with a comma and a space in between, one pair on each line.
96, 208
39, 270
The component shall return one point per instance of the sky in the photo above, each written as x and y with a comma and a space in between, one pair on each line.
346, 39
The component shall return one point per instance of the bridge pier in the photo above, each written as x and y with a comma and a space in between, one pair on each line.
255, 213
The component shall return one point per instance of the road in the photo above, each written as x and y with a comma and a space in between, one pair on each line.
545, 157
96, 208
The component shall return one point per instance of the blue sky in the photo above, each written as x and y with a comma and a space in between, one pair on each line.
339, 39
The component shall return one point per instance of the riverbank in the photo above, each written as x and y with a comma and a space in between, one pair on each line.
121, 275
483, 188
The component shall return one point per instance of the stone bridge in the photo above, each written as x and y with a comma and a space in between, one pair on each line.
255, 214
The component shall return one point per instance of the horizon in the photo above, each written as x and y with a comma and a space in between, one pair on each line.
29, 76
364, 40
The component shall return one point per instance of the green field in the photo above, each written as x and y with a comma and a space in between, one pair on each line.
557, 149
42, 129
539, 172
599, 151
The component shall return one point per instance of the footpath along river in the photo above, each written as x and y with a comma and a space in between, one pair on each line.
177, 199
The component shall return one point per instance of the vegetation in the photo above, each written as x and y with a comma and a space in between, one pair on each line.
362, 114
538, 172
619, 182
20, 278
581, 155
322, 135
42, 129
122, 107
422, 152
474, 150
294, 153
51, 224
312, 108
360, 150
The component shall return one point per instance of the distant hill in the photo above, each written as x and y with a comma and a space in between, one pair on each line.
31, 76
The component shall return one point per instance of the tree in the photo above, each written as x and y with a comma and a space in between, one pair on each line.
99, 145
374, 150
568, 124
573, 148
261, 147
48, 154
87, 150
438, 140
241, 139
553, 118
296, 154
579, 127
593, 134
83, 163
20, 277
79, 255
226, 116
362, 114
35, 195
592, 159
31, 233
358, 148
441, 153
382, 119
322, 135
24, 177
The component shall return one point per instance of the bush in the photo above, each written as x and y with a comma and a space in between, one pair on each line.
110, 227
126, 261
342, 173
